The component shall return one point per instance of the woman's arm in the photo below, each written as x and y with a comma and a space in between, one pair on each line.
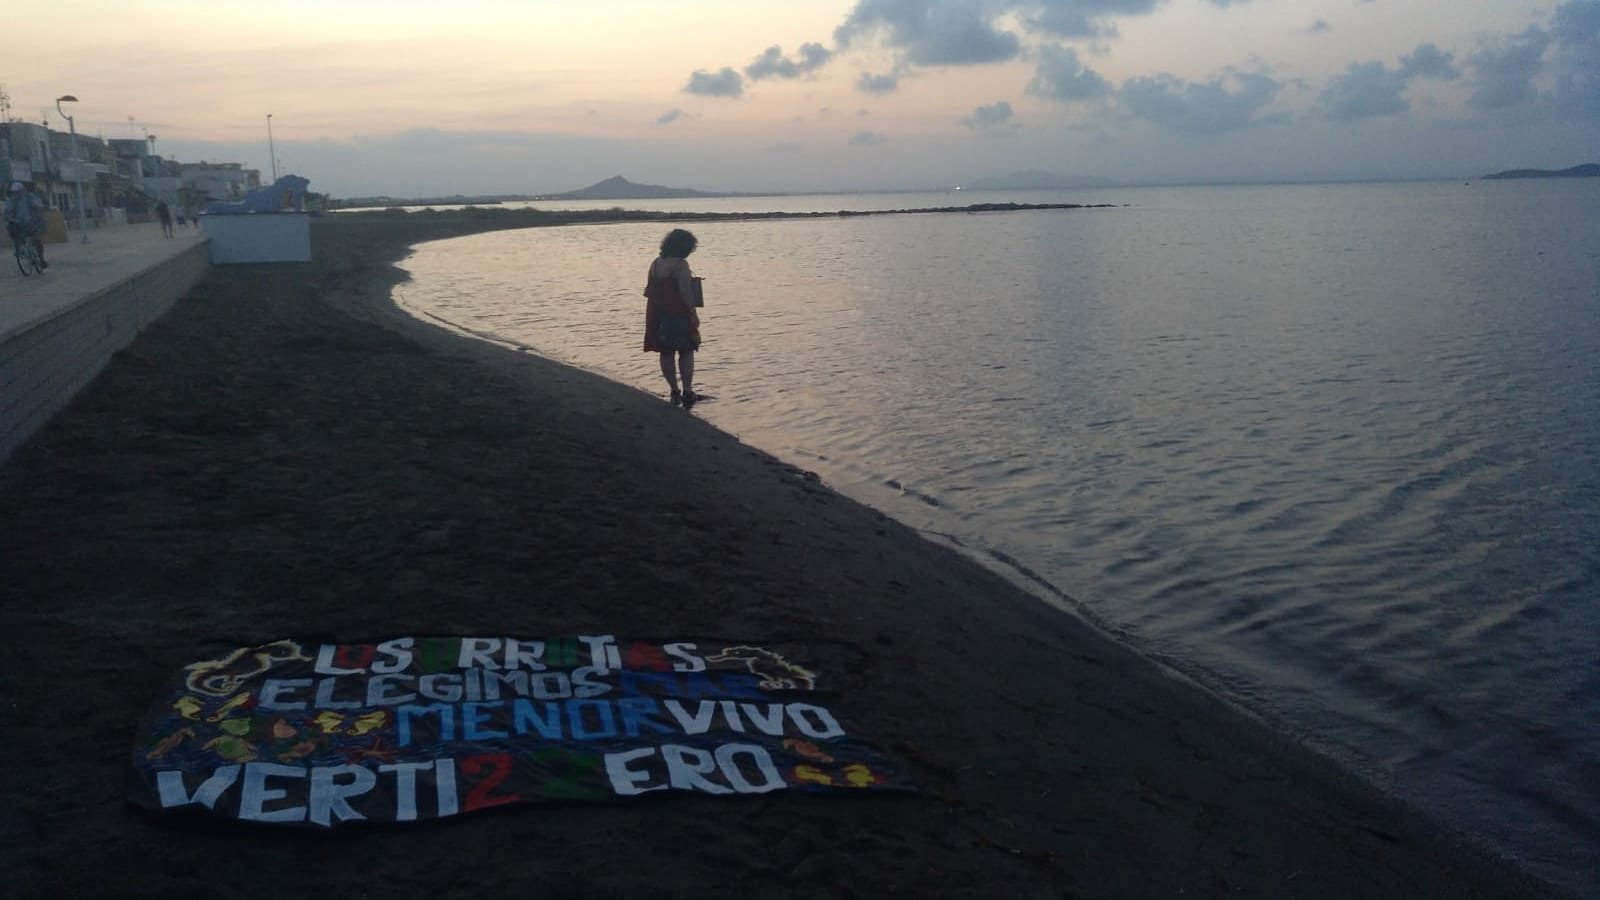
686, 290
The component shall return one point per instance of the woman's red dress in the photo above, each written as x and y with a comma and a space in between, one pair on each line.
668, 317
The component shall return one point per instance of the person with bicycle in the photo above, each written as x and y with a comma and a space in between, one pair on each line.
25, 218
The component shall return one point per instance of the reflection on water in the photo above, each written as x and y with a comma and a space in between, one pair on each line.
1335, 450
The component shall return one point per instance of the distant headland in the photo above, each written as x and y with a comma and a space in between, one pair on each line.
618, 188
1588, 170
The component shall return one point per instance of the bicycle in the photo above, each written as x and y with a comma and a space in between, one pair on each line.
29, 262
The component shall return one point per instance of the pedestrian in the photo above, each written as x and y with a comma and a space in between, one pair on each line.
164, 213
24, 213
671, 324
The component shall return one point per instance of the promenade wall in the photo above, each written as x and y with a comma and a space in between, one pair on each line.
45, 365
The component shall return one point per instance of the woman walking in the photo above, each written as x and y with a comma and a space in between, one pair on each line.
671, 325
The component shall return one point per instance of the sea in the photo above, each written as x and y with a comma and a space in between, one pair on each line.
1332, 451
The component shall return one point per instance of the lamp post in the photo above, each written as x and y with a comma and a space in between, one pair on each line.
77, 181
270, 151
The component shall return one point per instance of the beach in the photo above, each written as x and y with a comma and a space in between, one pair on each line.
286, 453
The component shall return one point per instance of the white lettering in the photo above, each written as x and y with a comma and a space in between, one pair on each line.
329, 798
628, 782
824, 727
584, 686
516, 679
687, 766
699, 723
550, 685
399, 656
602, 647
478, 652
173, 793
727, 761
378, 690
444, 687
325, 689
524, 655
325, 664
730, 714
770, 723
255, 794
272, 688
744, 769
444, 785
405, 788
687, 661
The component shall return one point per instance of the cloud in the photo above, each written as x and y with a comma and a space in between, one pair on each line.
725, 83
866, 139
1320, 26
958, 32
877, 84
669, 116
1364, 91
1084, 18
1204, 109
1428, 61
1504, 69
1576, 28
931, 32
1367, 90
1059, 76
773, 64
948, 33
1577, 21
990, 117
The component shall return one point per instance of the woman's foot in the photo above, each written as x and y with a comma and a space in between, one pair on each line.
690, 397
676, 397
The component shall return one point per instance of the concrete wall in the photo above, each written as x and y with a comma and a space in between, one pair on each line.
43, 368
258, 237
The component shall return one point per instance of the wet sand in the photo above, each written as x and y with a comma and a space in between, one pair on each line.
287, 454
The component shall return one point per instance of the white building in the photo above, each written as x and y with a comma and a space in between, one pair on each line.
219, 181
56, 166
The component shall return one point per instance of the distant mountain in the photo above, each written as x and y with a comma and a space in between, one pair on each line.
1034, 180
1590, 170
618, 188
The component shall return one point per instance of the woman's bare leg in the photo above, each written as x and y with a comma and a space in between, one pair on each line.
669, 371
686, 367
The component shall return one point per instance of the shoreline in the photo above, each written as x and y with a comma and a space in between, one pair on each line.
289, 452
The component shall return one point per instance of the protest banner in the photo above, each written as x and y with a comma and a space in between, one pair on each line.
415, 728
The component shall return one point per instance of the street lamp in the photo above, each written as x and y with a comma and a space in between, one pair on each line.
270, 151
77, 182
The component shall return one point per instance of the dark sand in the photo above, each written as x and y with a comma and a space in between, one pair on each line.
286, 454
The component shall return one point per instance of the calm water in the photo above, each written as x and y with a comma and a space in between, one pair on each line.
1333, 450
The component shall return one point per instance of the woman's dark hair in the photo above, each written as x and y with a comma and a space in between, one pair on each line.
678, 243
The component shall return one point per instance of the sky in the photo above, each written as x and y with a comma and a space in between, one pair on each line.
417, 98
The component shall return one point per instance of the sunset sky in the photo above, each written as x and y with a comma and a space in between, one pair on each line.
410, 98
